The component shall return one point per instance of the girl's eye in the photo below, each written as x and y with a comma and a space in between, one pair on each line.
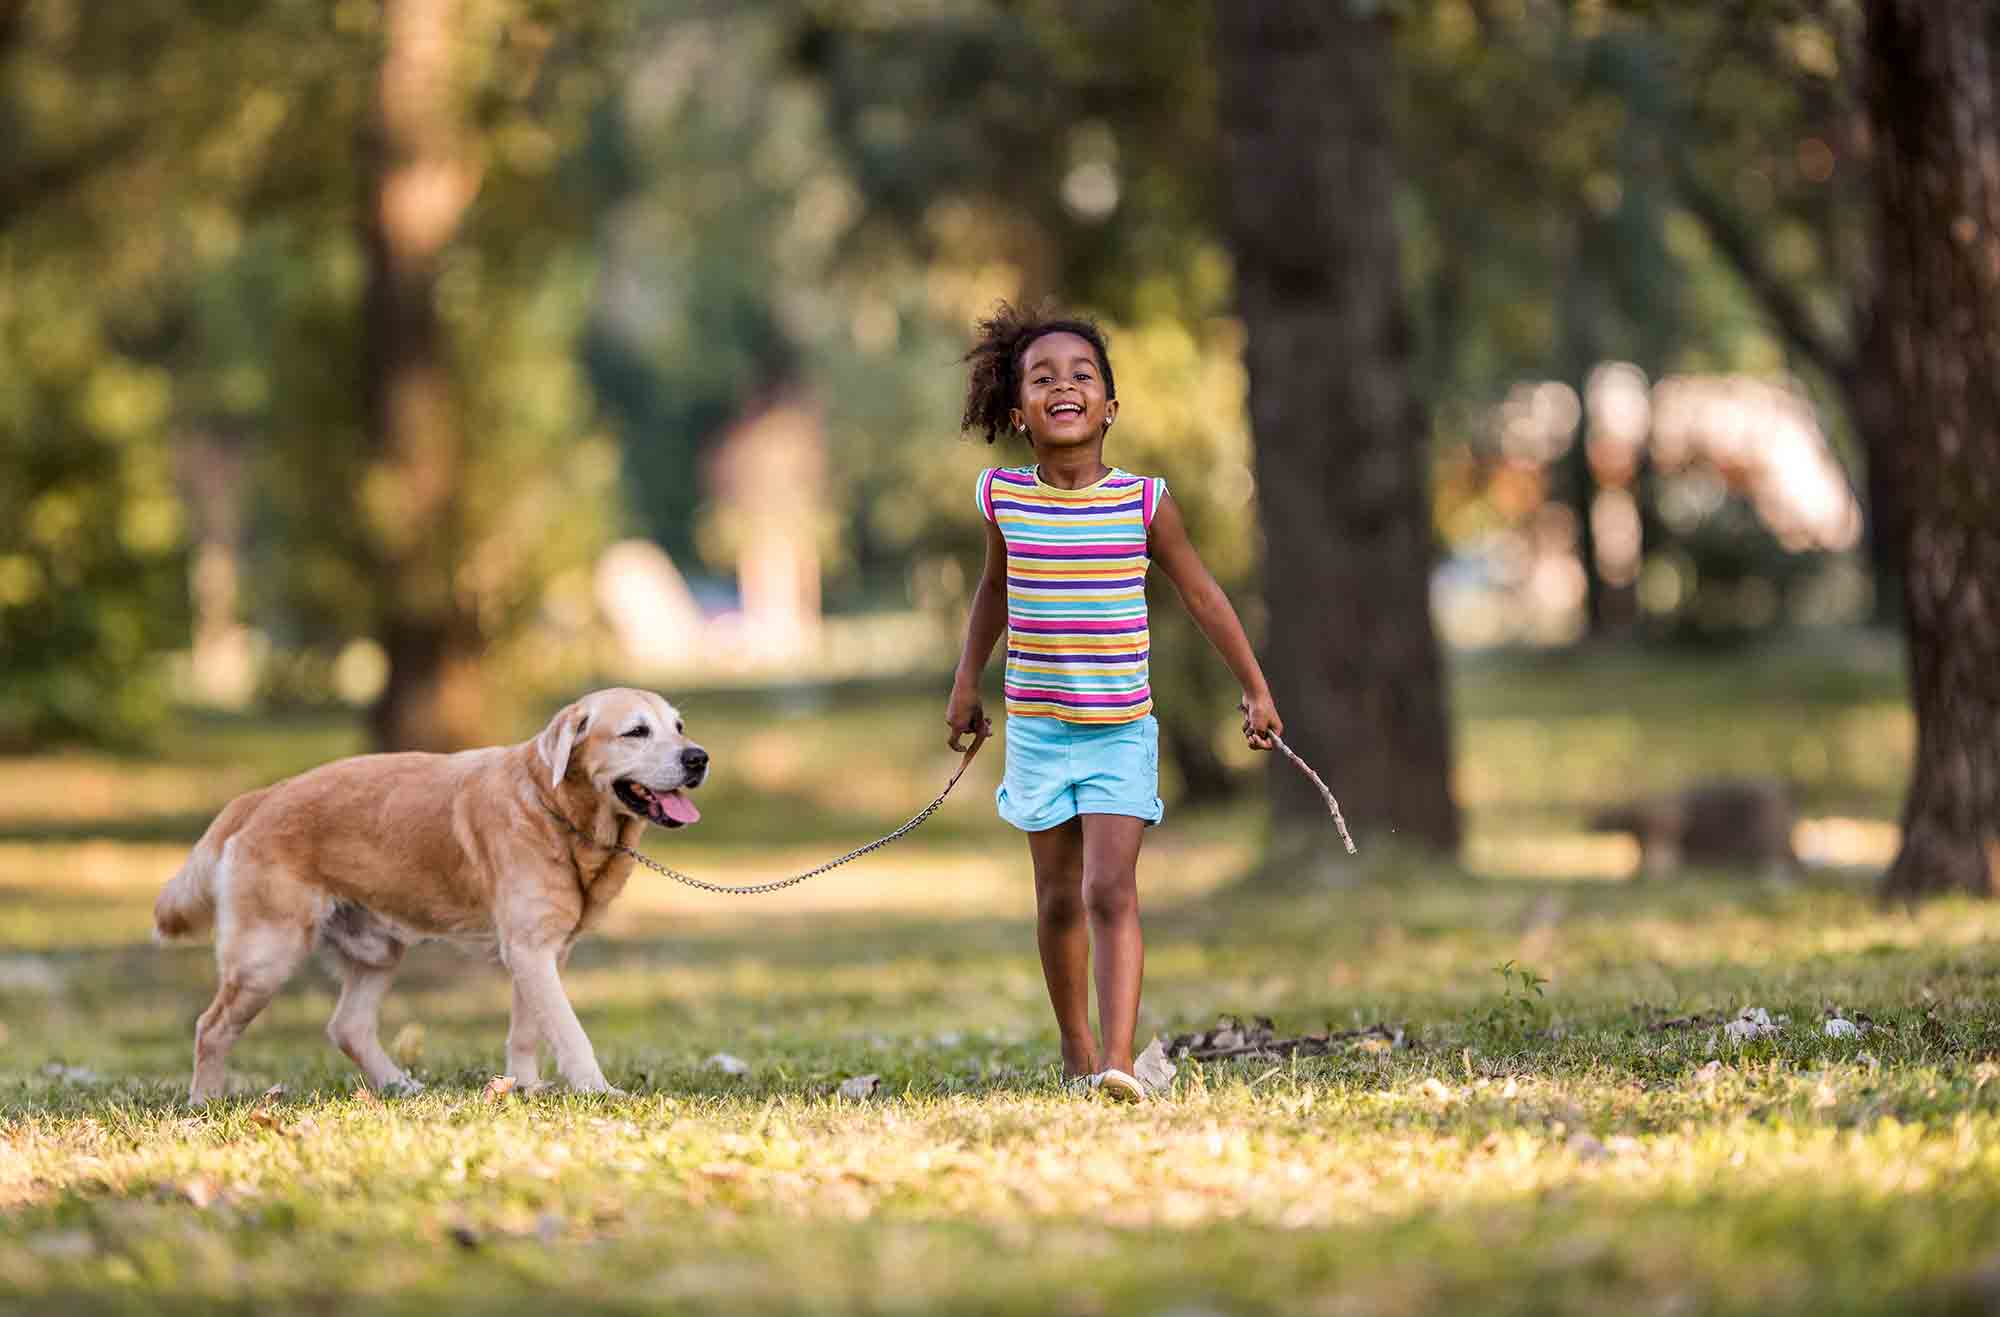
641, 731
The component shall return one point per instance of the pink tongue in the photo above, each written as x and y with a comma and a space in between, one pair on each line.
677, 807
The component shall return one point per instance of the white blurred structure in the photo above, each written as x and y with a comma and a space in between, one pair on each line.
647, 605
1705, 437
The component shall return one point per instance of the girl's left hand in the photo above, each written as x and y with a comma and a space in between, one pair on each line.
1260, 720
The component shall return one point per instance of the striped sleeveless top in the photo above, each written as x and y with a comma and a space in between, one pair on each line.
1077, 643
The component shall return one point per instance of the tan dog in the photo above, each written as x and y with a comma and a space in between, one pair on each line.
366, 856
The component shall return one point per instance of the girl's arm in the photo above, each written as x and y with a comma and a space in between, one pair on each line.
982, 631
1212, 612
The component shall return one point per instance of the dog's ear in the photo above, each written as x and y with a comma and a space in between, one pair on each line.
559, 738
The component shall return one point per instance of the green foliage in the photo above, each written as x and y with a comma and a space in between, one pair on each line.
1519, 1012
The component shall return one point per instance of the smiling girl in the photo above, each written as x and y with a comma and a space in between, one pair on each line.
1068, 543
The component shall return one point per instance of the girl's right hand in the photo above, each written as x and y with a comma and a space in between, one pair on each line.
965, 715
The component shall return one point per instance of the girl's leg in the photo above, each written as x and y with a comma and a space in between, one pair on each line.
1064, 939
1111, 900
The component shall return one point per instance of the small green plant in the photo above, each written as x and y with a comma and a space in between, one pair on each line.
1520, 1011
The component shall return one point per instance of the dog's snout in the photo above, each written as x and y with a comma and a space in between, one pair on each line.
694, 759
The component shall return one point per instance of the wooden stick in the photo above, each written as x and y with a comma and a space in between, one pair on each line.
1331, 804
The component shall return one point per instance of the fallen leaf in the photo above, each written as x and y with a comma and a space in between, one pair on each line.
366, 1096
727, 1064
497, 1088
860, 1086
1753, 1022
1152, 1069
198, 1190
1231, 1039
263, 1115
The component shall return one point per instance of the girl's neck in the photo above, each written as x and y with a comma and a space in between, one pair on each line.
1072, 468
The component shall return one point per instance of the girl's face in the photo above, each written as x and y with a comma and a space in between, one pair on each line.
1062, 393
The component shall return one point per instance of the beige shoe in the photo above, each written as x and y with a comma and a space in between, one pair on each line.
1119, 1086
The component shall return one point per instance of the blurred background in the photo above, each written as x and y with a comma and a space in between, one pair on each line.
382, 375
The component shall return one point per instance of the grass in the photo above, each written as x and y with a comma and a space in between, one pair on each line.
1561, 1151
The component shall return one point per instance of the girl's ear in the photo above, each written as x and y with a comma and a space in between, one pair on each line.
1017, 420
1110, 412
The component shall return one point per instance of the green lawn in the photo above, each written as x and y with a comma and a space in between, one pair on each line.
1561, 1152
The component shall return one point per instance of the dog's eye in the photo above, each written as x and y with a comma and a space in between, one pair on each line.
679, 727
640, 731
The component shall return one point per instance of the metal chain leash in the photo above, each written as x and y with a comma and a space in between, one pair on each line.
758, 889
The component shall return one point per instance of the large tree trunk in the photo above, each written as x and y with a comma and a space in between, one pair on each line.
420, 183
1342, 465
1934, 100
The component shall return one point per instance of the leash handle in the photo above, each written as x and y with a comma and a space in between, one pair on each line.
1333, 806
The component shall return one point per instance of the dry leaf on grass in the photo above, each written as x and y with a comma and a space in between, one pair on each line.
262, 1114
497, 1088
1754, 1022
1152, 1068
1231, 1038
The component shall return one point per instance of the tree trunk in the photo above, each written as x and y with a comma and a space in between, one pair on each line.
419, 185
1934, 101
1873, 409
1341, 440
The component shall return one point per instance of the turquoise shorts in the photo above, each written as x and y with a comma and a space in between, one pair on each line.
1057, 770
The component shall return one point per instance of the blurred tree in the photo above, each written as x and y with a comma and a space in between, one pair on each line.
421, 180
1764, 139
1342, 460
1934, 105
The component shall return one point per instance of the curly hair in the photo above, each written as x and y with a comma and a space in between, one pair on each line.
994, 388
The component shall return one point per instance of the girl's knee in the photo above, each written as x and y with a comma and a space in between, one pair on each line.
1111, 896
1059, 903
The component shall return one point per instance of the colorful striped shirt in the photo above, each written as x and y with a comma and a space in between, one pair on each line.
1076, 593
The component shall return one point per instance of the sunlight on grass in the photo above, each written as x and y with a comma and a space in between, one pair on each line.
1566, 1126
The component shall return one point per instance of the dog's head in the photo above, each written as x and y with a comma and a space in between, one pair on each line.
632, 747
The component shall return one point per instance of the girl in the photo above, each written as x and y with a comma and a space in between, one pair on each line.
1068, 542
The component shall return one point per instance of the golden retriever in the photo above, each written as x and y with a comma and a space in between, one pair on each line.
503, 849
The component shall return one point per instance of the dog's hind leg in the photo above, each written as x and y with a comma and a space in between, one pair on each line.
354, 1029
255, 960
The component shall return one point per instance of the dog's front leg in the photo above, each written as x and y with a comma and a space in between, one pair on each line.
536, 979
524, 1038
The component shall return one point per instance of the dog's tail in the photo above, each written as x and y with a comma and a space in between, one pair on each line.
186, 905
